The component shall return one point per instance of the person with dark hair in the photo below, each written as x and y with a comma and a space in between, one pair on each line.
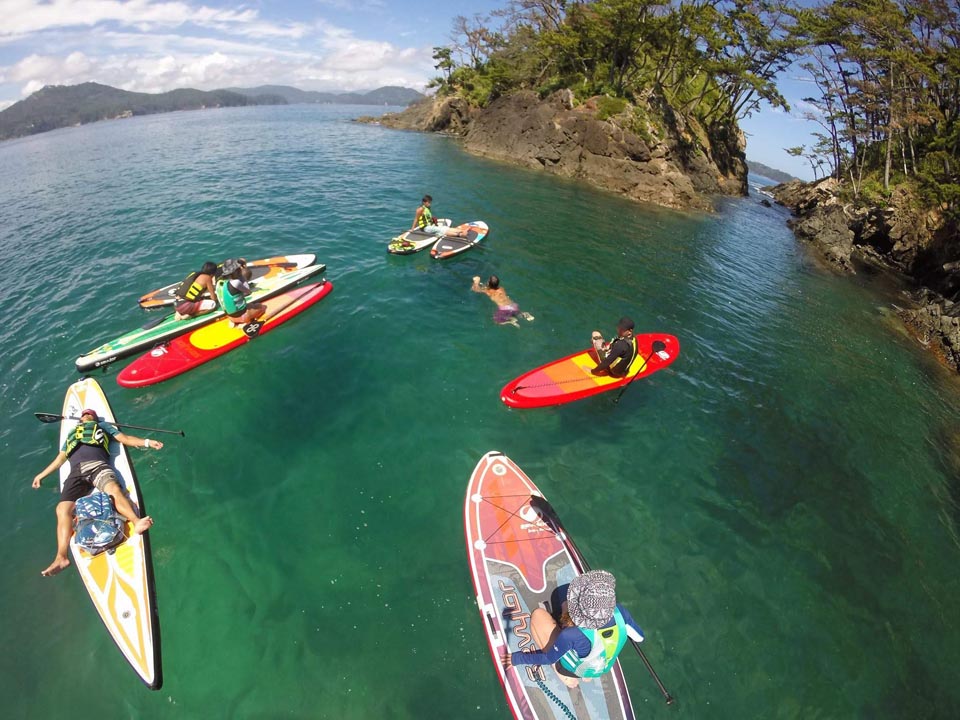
232, 290
88, 449
189, 293
507, 309
424, 220
614, 357
593, 628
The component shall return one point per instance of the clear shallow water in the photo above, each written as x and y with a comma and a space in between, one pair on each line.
779, 506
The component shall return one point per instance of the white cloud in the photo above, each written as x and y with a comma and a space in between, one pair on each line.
156, 46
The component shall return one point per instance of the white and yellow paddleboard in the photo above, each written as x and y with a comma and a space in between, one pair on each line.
120, 581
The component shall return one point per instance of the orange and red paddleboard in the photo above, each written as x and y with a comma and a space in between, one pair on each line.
569, 378
195, 348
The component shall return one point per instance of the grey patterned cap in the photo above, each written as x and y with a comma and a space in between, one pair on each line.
591, 599
230, 266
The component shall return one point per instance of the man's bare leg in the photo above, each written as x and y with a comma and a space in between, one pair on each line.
64, 531
545, 630
123, 505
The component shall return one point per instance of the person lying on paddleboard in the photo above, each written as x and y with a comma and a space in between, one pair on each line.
593, 630
423, 220
507, 309
232, 289
615, 356
189, 294
88, 448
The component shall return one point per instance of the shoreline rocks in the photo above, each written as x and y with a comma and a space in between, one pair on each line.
620, 152
902, 235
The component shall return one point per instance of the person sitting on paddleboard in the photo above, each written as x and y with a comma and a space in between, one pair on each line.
423, 220
189, 294
232, 289
507, 309
88, 448
615, 357
593, 630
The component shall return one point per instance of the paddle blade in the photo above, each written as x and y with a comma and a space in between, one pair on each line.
252, 329
48, 417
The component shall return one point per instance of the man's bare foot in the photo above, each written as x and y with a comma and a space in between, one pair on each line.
143, 524
59, 563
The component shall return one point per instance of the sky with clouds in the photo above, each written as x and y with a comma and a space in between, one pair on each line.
331, 45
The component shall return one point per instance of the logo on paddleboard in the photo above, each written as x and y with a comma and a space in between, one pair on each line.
533, 523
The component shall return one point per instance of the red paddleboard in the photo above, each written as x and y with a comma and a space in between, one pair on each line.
569, 378
203, 344
518, 559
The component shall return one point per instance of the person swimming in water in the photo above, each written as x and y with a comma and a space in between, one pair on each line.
507, 310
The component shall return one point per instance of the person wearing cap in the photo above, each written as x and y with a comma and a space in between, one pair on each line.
232, 290
593, 630
189, 293
88, 448
615, 356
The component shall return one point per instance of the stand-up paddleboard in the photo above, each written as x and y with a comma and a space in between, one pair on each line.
168, 327
186, 352
120, 581
261, 269
569, 378
448, 246
518, 560
415, 240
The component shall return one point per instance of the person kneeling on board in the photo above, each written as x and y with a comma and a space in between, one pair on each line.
88, 449
189, 293
593, 630
232, 289
615, 356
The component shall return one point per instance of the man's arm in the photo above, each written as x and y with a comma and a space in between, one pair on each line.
133, 441
617, 350
55, 465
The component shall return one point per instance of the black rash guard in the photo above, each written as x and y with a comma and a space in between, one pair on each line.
621, 353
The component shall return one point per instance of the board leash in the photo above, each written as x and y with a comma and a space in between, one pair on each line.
550, 694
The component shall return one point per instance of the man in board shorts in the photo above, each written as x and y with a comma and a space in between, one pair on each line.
88, 449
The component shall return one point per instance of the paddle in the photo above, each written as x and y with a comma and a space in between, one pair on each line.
549, 515
658, 345
51, 418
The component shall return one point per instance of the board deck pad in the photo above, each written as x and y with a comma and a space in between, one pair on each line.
518, 561
195, 348
569, 378
448, 246
120, 582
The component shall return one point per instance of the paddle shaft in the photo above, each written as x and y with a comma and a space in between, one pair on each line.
547, 508
267, 316
50, 417
653, 349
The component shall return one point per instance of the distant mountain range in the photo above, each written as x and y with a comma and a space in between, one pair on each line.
760, 169
387, 95
57, 106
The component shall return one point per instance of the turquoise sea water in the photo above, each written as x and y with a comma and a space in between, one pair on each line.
780, 506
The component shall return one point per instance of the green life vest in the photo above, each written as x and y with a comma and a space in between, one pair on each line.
605, 646
426, 217
87, 433
190, 289
233, 303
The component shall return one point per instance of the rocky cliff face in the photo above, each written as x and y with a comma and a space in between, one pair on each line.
918, 242
678, 168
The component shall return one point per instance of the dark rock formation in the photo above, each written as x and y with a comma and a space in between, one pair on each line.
914, 240
678, 167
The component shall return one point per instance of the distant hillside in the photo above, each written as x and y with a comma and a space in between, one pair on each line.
57, 106
389, 95
769, 172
